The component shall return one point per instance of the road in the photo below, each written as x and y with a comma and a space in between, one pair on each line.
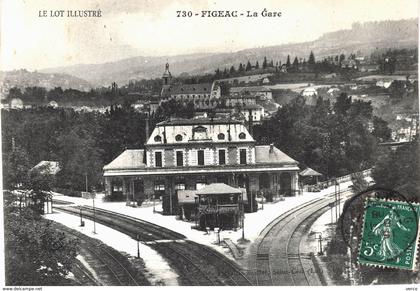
275, 257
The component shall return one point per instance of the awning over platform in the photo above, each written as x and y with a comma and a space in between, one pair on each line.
218, 189
308, 172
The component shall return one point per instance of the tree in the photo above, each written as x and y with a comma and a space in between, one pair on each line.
332, 139
311, 60
240, 68
397, 90
232, 70
35, 252
78, 157
248, 66
257, 65
295, 64
359, 182
380, 129
15, 168
14, 92
399, 170
225, 73
288, 62
264, 65
224, 88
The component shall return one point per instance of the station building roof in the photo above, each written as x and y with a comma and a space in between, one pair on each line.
129, 159
268, 154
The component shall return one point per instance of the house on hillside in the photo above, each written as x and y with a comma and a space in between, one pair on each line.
309, 92
259, 92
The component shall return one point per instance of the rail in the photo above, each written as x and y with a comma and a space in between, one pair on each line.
345, 178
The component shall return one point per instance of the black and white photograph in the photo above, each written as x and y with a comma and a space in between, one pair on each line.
209, 143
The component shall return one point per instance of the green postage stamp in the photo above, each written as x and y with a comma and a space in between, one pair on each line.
390, 234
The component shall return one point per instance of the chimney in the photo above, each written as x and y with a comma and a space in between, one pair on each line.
164, 135
271, 148
147, 128
250, 121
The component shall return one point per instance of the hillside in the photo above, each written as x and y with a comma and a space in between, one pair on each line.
361, 38
24, 78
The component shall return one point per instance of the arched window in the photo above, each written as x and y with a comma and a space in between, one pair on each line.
178, 137
158, 138
221, 136
242, 135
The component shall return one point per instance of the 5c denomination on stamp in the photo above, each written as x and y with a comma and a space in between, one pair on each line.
390, 234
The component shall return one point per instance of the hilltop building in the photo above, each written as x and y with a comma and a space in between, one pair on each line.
203, 95
188, 154
207, 96
258, 92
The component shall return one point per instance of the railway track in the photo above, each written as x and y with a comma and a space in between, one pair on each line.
278, 260
196, 264
83, 276
112, 264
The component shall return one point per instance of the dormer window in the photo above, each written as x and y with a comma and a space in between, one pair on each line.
178, 137
199, 132
221, 136
158, 138
242, 135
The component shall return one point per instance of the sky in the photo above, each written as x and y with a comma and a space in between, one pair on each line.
151, 27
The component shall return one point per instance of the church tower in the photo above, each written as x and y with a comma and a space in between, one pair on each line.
166, 76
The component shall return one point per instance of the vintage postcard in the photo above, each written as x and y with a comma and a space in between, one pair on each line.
209, 143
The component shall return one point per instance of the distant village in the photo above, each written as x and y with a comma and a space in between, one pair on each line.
251, 92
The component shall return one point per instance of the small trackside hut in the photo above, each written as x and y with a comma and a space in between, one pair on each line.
219, 205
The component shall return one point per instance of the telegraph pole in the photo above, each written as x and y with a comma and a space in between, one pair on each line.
86, 182
138, 246
243, 216
81, 217
94, 215
336, 200
339, 200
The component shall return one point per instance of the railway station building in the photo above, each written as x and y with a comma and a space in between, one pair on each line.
188, 154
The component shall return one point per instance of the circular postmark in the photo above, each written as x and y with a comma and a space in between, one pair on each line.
382, 225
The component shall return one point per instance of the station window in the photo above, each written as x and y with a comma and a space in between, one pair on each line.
179, 158
242, 135
158, 159
242, 156
180, 186
221, 136
222, 157
159, 186
158, 138
200, 157
117, 188
178, 137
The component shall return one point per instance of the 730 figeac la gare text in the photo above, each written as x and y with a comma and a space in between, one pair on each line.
228, 13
